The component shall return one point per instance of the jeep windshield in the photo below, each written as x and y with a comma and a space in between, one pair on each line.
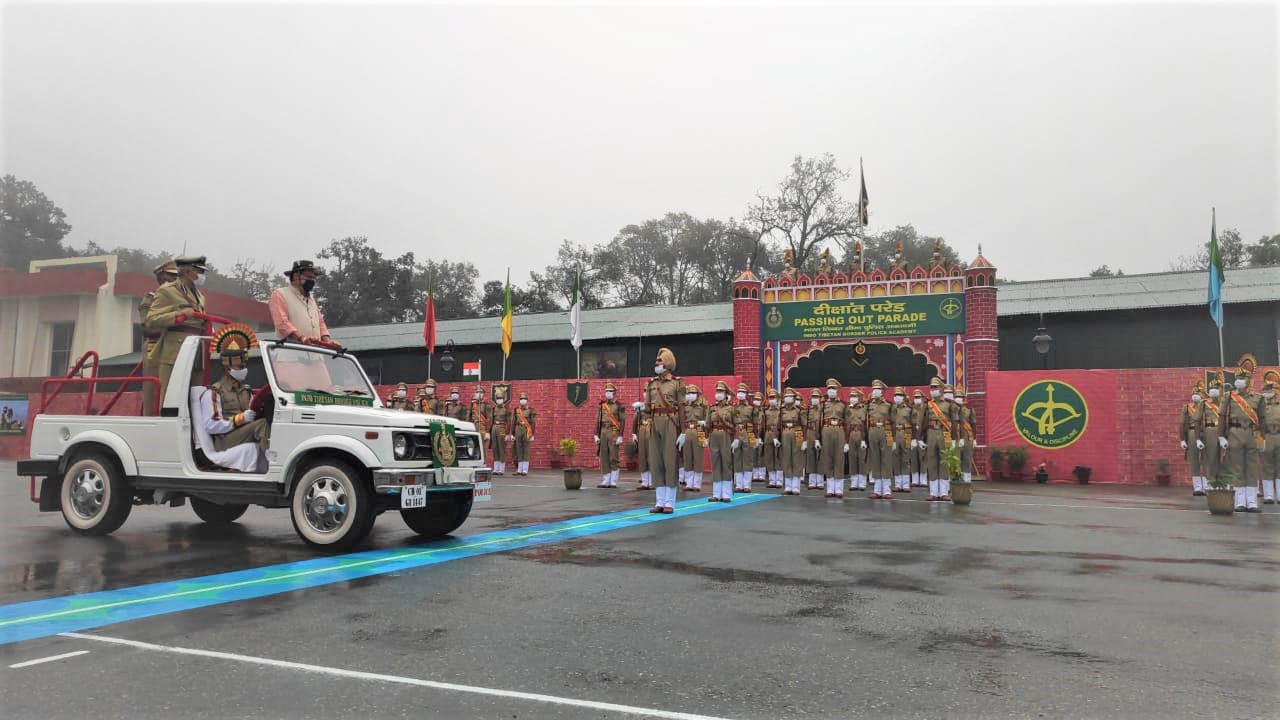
301, 370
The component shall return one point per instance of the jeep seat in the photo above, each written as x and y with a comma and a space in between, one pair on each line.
243, 458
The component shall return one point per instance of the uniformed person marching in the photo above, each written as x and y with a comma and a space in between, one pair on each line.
772, 423
813, 440
172, 317
428, 402
879, 442
165, 272
499, 431
743, 433
1269, 415
524, 427
694, 413
900, 417
1191, 437
662, 397
832, 443
792, 442
611, 420
399, 398
722, 428
756, 449
642, 435
1211, 422
232, 396
1241, 413
964, 425
855, 426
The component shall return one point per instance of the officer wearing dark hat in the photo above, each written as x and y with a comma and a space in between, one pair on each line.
165, 272
294, 310
172, 316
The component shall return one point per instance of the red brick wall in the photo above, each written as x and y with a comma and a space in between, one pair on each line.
747, 346
982, 355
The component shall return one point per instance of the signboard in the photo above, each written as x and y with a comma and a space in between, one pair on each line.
897, 316
1065, 417
13, 414
319, 398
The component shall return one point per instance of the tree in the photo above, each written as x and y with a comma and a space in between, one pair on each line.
361, 287
31, 225
1231, 249
808, 210
1265, 252
1105, 271
252, 280
878, 250
454, 284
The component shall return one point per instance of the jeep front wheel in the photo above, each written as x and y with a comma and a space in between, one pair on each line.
331, 506
441, 517
216, 513
95, 498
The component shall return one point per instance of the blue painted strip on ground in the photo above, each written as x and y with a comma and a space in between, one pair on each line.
44, 618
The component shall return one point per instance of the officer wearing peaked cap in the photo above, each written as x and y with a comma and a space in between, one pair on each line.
611, 420
791, 448
757, 432
723, 442
813, 440
662, 397
879, 442
832, 443
1269, 416
1191, 437
919, 478
695, 412
641, 435
966, 436
428, 402
165, 272
499, 430
855, 424
172, 316
525, 420
1212, 428
744, 436
399, 398
903, 433
1243, 419
771, 427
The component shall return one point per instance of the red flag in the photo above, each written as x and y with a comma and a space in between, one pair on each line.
429, 324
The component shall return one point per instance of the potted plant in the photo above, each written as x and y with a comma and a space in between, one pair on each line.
1017, 455
572, 475
556, 462
1162, 472
1220, 496
1042, 472
995, 462
1082, 473
961, 491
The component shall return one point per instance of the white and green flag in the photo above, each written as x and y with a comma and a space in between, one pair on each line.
575, 312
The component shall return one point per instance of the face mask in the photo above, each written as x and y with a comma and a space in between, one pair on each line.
608, 394
1195, 398
659, 369
917, 401
719, 397
1240, 384
935, 394
948, 396
524, 403
500, 401
401, 393
814, 401
479, 396
959, 401
742, 396
429, 391
755, 403
790, 401
240, 374
1215, 392
308, 286
200, 280
898, 399
832, 392
855, 400
690, 397
453, 396
773, 402
877, 393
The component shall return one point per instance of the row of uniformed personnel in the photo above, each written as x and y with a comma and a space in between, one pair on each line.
498, 423
1240, 431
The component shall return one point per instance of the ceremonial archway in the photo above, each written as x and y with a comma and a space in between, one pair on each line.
859, 363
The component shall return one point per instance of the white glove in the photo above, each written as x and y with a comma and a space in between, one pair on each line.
846, 447
511, 438
735, 444
804, 446
597, 437
961, 442
1199, 444
1183, 444
615, 442
637, 406
915, 444
864, 444
680, 441
634, 438
1222, 442
759, 443
486, 437
777, 443
530, 438
249, 415
817, 444
895, 447
702, 423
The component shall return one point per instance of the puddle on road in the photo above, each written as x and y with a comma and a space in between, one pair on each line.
997, 644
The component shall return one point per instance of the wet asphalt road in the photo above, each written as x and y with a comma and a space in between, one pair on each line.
1037, 601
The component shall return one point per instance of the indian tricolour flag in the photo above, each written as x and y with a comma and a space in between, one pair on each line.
471, 369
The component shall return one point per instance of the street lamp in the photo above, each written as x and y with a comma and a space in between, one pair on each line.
446, 357
1042, 342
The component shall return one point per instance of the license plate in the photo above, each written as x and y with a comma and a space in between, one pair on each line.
413, 496
483, 492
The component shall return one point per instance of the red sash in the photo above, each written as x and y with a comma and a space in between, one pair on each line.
937, 412
1248, 411
609, 414
520, 416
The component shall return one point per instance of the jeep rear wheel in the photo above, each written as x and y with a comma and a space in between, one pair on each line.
95, 498
331, 506
440, 518
217, 513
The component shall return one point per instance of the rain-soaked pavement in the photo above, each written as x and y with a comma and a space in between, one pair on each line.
1057, 601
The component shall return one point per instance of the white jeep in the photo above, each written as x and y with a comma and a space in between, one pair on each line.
337, 458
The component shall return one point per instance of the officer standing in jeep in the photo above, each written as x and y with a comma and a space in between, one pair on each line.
172, 316
165, 272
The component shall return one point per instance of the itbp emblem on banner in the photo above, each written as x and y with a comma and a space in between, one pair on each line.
1050, 414
444, 445
577, 393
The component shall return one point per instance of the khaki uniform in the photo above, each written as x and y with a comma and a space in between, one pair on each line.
695, 416
1211, 428
1191, 431
611, 420
964, 425
790, 456
499, 427
903, 433
1242, 419
431, 405
812, 435
230, 399
744, 431
642, 428
771, 421
879, 455
171, 300
1269, 415
938, 429
919, 477
855, 425
662, 397
722, 428
524, 427
400, 403
149, 368
831, 457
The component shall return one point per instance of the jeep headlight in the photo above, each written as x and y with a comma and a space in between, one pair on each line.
400, 445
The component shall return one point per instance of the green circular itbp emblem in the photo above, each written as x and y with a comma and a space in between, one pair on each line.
1050, 414
950, 308
774, 318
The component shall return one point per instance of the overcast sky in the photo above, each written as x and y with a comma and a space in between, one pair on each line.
1060, 138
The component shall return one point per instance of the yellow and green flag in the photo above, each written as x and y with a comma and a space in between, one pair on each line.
506, 318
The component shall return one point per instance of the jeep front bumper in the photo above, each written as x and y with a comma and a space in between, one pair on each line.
391, 481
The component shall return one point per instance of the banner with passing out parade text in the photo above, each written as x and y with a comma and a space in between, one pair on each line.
896, 316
